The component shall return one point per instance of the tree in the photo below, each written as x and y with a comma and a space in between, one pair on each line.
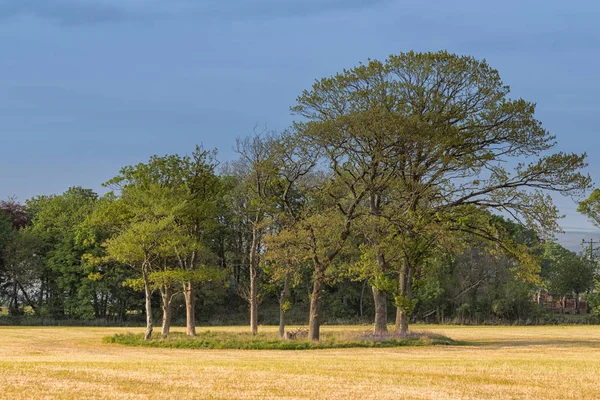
170, 282
6, 231
20, 261
325, 234
347, 123
480, 280
590, 207
57, 220
452, 140
293, 166
21, 272
567, 273
321, 234
141, 245
15, 211
254, 198
141, 224
186, 190
285, 258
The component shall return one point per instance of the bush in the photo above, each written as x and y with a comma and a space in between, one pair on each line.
593, 301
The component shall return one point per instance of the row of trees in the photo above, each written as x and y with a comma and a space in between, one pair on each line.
392, 172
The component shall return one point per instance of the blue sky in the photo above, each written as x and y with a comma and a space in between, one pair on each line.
87, 86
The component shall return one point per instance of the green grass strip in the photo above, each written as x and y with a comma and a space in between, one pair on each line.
221, 341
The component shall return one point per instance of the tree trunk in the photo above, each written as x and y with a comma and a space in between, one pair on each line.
253, 295
380, 311
380, 299
400, 315
314, 320
401, 322
13, 307
362, 296
148, 296
405, 281
283, 298
41, 298
165, 293
577, 303
190, 308
253, 306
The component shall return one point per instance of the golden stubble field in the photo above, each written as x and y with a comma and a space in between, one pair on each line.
558, 362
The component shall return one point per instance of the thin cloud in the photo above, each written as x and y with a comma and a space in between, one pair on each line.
542, 42
89, 12
278, 8
64, 12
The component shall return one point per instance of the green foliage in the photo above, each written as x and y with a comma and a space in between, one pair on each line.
219, 340
23, 262
514, 302
422, 140
384, 283
591, 207
286, 306
565, 271
177, 277
440, 116
405, 304
395, 176
593, 300
6, 231
141, 244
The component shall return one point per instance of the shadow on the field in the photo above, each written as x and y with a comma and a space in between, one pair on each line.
531, 343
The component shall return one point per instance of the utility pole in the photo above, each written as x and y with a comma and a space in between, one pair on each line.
591, 250
591, 247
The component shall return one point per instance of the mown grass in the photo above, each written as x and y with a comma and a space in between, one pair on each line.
244, 341
493, 362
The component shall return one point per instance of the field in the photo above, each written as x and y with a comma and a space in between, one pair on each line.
556, 362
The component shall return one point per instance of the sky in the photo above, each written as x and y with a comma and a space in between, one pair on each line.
88, 86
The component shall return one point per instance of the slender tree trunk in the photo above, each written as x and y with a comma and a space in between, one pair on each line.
405, 278
253, 305
148, 296
96, 305
105, 306
165, 293
362, 296
400, 315
380, 311
577, 303
314, 320
14, 302
253, 295
190, 308
283, 298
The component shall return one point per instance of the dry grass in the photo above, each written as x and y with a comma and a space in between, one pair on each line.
557, 362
